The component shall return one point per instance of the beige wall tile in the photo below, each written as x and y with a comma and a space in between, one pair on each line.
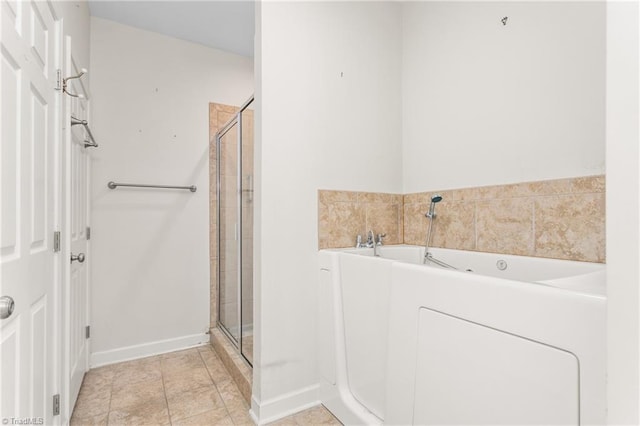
340, 222
385, 218
415, 223
505, 226
376, 197
425, 197
496, 218
454, 225
478, 193
326, 196
571, 227
588, 184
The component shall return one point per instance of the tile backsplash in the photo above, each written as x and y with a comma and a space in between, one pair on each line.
561, 219
342, 215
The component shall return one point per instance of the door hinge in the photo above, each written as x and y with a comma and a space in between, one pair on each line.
87, 332
58, 79
88, 232
56, 404
56, 241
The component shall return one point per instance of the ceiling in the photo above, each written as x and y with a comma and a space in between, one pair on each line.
225, 25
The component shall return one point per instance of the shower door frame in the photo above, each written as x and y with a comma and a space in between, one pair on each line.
235, 121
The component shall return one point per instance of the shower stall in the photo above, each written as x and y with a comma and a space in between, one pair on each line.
234, 191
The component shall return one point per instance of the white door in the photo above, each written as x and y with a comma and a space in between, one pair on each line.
29, 130
76, 294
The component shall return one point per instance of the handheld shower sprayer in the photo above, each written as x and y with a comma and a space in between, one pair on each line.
431, 214
432, 208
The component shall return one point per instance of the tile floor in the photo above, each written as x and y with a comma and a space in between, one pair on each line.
189, 387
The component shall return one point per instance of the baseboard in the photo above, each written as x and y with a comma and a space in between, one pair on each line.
285, 405
128, 353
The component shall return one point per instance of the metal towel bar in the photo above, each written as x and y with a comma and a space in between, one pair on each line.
114, 185
90, 143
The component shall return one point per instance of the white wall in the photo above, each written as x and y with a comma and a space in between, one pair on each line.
150, 108
328, 117
76, 23
623, 212
485, 103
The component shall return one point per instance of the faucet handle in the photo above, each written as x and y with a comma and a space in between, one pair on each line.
370, 237
359, 241
380, 237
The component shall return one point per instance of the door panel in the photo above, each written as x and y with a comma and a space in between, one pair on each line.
76, 292
10, 157
28, 188
229, 242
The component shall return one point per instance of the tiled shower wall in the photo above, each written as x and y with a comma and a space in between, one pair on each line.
219, 115
561, 219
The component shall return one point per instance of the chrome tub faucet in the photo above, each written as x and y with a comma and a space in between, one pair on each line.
373, 241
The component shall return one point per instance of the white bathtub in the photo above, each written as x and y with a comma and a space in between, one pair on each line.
405, 343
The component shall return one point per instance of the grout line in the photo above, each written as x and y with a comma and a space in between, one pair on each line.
113, 379
534, 249
164, 391
475, 225
215, 385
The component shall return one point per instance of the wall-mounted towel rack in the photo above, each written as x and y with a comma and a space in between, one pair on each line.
65, 84
91, 142
114, 185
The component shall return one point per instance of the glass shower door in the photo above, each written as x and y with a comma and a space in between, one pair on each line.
235, 230
246, 199
229, 232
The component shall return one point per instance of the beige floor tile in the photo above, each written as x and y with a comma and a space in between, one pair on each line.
287, 421
240, 416
99, 420
150, 362
194, 401
180, 361
175, 387
92, 403
99, 379
205, 348
152, 412
218, 371
137, 372
209, 356
180, 381
218, 417
318, 415
231, 395
137, 394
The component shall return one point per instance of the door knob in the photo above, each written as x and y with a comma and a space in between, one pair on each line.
77, 257
6, 307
